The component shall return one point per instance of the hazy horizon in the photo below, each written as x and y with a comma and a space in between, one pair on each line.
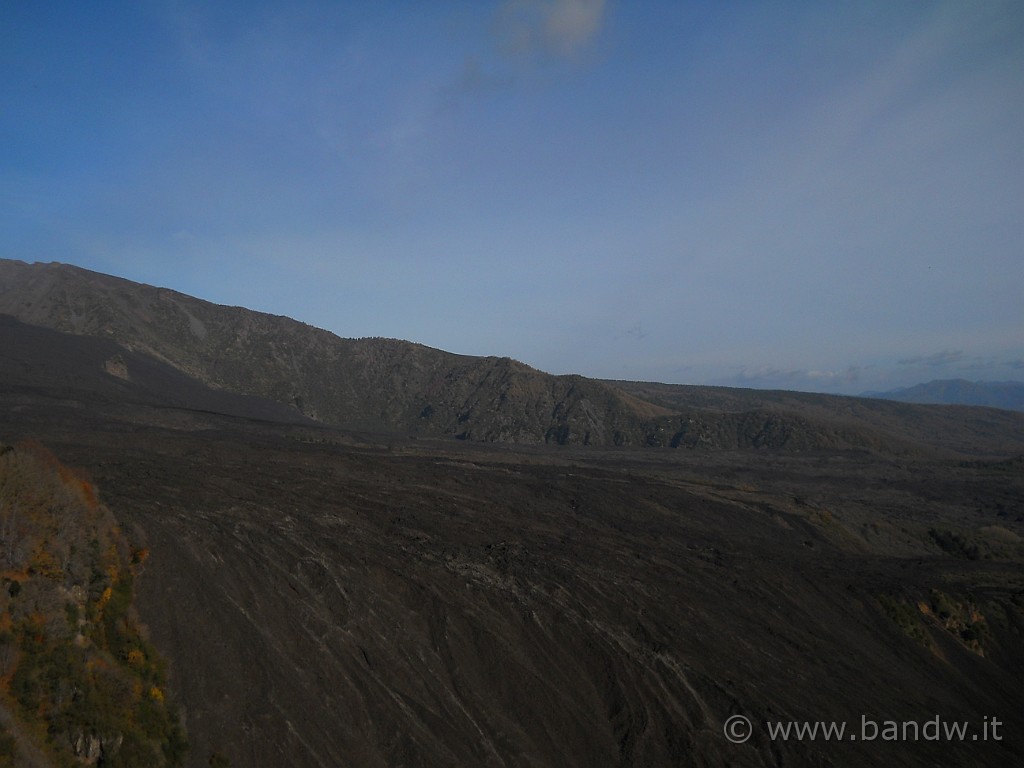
788, 196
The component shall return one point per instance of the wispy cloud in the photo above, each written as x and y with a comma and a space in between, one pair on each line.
559, 27
936, 360
523, 34
813, 380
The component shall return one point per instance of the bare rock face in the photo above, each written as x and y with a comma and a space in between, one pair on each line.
91, 748
87, 748
116, 367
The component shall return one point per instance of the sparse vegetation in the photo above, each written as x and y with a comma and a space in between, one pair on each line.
8, 750
955, 544
989, 542
961, 618
907, 617
85, 683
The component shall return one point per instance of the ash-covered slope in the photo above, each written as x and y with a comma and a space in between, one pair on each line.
61, 365
328, 598
363, 383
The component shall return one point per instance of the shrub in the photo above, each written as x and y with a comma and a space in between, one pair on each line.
110, 690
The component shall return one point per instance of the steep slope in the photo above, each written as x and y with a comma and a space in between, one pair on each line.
35, 358
331, 599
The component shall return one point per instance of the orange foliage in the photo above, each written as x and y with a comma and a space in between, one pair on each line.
44, 563
97, 664
113, 559
74, 478
55, 537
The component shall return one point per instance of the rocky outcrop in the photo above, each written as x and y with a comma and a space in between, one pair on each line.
90, 748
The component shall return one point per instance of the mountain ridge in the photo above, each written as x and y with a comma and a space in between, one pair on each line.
1008, 395
369, 383
379, 384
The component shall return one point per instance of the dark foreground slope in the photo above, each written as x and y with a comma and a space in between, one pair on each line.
328, 598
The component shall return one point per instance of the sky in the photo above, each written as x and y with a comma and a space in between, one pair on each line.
801, 195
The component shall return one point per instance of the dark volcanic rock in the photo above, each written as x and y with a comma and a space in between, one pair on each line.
328, 598
729, 417
391, 385
35, 358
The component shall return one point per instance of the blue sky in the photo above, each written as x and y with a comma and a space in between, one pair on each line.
818, 196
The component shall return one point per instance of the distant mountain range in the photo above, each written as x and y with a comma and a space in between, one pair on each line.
994, 394
108, 334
